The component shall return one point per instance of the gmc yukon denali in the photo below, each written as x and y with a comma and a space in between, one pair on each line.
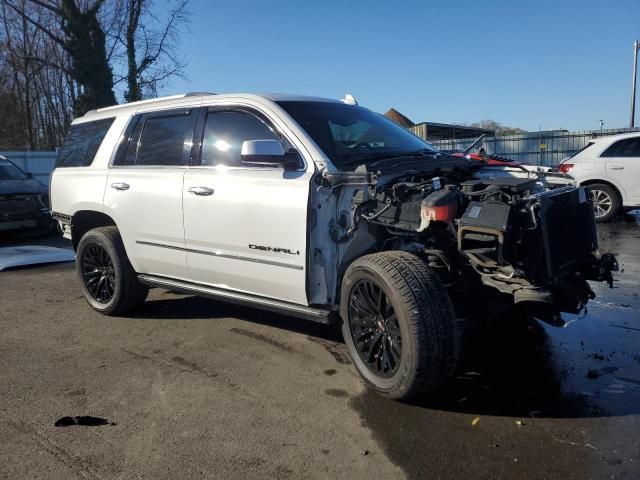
323, 210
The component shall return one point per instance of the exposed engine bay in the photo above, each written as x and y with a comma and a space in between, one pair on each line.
529, 242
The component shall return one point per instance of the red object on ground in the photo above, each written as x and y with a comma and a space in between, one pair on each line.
491, 159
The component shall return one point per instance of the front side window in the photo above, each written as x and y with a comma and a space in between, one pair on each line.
629, 147
352, 135
82, 143
224, 132
165, 141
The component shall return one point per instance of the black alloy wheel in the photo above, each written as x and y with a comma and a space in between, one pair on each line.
398, 324
109, 282
374, 328
98, 273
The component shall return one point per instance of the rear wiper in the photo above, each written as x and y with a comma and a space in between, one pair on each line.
389, 155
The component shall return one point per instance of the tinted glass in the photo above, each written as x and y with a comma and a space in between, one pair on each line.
629, 147
224, 133
581, 150
82, 143
131, 151
349, 133
165, 140
8, 171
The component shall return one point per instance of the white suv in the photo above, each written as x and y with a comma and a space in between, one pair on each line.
320, 209
610, 167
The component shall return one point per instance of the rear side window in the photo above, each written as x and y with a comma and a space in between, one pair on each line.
82, 143
224, 133
162, 139
582, 149
629, 147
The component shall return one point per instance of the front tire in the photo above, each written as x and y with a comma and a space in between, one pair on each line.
606, 202
398, 324
109, 283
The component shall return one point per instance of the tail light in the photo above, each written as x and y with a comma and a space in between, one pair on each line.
565, 167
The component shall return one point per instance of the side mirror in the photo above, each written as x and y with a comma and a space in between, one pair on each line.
268, 152
29, 175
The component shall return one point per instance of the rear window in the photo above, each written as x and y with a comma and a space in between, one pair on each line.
82, 143
582, 149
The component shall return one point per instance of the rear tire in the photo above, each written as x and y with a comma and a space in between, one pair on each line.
109, 283
606, 202
405, 339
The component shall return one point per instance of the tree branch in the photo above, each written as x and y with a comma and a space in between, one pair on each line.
38, 25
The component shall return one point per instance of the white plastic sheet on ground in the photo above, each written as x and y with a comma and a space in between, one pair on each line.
33, 255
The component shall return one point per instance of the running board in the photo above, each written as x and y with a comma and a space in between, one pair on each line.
308, 313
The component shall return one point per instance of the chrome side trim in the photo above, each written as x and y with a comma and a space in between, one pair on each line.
308, 313
223, 255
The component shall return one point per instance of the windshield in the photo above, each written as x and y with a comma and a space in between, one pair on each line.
349, 134
8, 171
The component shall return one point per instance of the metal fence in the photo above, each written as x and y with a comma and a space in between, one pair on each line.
534, 148
39, 164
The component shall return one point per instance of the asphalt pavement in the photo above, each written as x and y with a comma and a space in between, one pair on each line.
192, 388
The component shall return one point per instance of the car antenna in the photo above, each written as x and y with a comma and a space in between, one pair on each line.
349, 99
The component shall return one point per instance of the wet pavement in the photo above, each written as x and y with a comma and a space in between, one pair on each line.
547, 402
269, 396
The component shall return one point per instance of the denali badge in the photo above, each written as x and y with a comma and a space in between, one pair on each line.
274, 249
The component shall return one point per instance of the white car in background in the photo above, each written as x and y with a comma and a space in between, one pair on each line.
610, 167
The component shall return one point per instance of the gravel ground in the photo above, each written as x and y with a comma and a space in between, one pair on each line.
191, 388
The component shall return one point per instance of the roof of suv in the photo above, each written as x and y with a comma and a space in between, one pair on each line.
161, 101
613, 138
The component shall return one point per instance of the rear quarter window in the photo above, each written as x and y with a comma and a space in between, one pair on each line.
82, 143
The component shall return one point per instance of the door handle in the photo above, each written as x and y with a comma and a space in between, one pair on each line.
120, 186
202, 191
617, 168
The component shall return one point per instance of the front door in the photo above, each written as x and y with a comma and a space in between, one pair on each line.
245, 226
144, 190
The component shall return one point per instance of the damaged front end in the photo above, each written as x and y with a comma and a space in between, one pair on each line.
531, 245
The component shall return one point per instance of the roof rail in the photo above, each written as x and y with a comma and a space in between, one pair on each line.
150, 100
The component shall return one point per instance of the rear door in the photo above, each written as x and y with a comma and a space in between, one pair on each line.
623, 167
245, 226
144, 190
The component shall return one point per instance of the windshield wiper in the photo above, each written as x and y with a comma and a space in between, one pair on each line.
424, 152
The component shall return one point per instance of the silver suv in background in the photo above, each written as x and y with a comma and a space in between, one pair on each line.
610, 167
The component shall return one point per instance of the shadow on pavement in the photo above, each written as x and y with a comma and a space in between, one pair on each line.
510, 369
176, 306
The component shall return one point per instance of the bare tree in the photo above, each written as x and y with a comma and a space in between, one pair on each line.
35, 88
83, 38
57, 58
150, 44
497, 127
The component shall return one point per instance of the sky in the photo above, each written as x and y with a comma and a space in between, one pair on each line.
528, 64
